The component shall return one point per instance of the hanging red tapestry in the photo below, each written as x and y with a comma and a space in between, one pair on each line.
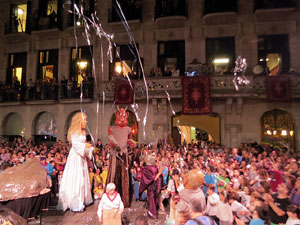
278, 88
196, 95
123, 92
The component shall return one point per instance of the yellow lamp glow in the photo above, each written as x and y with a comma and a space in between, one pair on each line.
82, 64
283, 133
118, 67
291, 133
269, 132
221, 60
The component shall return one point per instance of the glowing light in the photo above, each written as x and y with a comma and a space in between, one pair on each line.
283, 132
261, 60
269, 132
118, 67
291, 133
20, 11
221, 60
82, 64
274, 132
78, 23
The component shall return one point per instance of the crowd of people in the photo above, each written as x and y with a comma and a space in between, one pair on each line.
45, 89
250, 184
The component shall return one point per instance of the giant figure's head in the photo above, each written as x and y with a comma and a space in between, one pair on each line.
193, 179
121, 117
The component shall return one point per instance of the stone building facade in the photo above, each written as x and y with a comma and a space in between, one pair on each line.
239, 112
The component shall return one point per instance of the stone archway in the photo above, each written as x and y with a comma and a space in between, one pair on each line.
278, 129
190, 124
12, 126
44, 128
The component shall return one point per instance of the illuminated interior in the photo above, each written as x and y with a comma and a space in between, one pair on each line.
122, 68
21, 14
82, 66
273, 63
17, 72
220, 65
52, 6
195, 126
48, 72
189, 133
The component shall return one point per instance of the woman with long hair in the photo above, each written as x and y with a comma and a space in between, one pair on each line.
75, 190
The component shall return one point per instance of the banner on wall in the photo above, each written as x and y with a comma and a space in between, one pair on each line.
123, 92
278, 88
196, 95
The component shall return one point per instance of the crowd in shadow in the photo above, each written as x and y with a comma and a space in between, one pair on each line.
45, 89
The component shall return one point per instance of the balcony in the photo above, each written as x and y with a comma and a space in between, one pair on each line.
45, 23
221, 87
274, 4
219, 6
130, 11
14, 26
171, 9
50, 93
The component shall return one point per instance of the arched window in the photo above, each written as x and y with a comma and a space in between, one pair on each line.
13, 126
278, 129
44, 128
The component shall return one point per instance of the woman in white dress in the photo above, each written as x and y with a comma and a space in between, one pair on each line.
75, 190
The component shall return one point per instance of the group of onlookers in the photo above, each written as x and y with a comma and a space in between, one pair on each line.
250, 184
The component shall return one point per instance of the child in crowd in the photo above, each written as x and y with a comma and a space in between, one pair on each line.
98, 191
212, 202
224, 212
293, 215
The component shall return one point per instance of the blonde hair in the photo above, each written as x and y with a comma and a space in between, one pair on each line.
75, 127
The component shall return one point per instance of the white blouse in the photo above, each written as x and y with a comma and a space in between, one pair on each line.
110, 203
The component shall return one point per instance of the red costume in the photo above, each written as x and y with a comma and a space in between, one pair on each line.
119, 137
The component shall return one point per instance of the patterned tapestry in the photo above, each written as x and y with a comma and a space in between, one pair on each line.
123, 92
278, 88
196, 95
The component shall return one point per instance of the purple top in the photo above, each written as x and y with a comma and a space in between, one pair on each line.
295, 198
147, 181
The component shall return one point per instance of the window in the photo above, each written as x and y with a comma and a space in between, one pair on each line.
272, 4
220, 54
165, 8
132, 10
218, 6
273, 53
16, 71
48, 14
88, 9
19, 18
171, 57
126, 62
81, 64
48, 65
277, 129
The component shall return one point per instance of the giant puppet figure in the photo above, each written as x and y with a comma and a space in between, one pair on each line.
119, 137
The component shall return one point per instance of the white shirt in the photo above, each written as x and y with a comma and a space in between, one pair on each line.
291, 221
107, 203
212, 204
238, 208
224, 212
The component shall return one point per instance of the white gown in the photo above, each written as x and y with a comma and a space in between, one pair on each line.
75, 190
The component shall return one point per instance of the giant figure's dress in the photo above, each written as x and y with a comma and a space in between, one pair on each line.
75, 189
